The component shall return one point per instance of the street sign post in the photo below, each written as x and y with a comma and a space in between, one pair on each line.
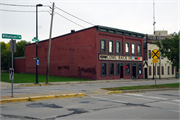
155, 55
11, 36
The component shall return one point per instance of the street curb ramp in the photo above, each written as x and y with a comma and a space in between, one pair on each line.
32, 98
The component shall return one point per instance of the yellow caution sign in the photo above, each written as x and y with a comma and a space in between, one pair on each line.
155, 54
155, 61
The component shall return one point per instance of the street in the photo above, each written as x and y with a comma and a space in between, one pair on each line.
146, 105
6, 91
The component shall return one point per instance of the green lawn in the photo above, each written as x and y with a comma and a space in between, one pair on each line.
31, 78
171, 85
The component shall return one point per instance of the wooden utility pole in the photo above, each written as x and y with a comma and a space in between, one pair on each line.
49, 48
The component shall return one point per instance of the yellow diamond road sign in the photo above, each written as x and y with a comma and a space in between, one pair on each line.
155, 54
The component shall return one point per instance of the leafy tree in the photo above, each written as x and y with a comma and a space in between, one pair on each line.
170, 48
20, 48
6, 54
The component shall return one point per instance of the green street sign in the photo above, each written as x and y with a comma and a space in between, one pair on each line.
11, 36
35, 39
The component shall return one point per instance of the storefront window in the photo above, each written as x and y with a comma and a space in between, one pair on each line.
118, 68
111, 69
127, 68
103, 69
139, 68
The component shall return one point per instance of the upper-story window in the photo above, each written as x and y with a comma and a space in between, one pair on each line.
139, 49
118, 47
103, 46
133, 48
127, 47
111, 47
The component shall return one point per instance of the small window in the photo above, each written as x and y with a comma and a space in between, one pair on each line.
149, 70
139, 68
139, 49
168, 69
127, 68
111, 69
111, 47
103, 46
158, 70
103, 69
172, 70
118, 47
162, 70
133, 48
126, 48
118, 69
149, 54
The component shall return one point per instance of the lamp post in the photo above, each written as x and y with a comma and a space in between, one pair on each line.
38, 5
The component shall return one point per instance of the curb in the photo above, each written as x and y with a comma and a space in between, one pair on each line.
142, 90
40, 97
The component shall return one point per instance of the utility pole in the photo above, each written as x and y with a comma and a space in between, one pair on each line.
49, 48
160, 57
154, 16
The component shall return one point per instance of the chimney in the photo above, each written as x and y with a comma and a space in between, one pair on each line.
72, 31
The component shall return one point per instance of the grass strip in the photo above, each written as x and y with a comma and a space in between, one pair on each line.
171, 85
31, 78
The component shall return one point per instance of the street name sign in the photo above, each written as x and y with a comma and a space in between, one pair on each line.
35, 39
155, 54
11, 36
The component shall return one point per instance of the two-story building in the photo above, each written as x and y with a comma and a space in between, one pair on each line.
97, 52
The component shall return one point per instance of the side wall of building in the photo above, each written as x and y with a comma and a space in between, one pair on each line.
20, 64
72, 55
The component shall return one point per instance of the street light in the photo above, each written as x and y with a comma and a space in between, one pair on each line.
38, 5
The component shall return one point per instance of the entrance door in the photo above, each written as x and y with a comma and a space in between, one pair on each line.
145, 71
133, 71
121, 71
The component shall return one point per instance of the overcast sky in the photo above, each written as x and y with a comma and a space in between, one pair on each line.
132, 15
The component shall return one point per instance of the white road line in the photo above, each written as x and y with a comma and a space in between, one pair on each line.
176, 100
109, 99
133, 97
147, 96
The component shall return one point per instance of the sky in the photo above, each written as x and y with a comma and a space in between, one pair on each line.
131, 15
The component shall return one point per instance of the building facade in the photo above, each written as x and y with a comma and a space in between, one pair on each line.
165, 70
97, 52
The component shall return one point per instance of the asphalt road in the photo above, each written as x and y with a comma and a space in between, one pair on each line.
5, 91
149, 105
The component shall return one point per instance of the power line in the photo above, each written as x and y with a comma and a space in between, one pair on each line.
69, 20
74, 16
20, 10
22, 5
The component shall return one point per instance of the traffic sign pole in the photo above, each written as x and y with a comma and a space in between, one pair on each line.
12, 65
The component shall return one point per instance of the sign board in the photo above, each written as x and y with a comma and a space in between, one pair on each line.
37, 62
11, 73
36, 58
12, 45
155, 61
11, 36
155, 54
35, 39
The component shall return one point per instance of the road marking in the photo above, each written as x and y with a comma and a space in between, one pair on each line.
176, 100
132, 97
109, 99
147, 96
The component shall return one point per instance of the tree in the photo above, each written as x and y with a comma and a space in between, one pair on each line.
6, 54
170, 48
20, 48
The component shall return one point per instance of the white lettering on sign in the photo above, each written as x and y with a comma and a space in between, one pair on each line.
119, 57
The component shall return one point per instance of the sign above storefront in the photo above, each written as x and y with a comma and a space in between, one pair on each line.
119, 57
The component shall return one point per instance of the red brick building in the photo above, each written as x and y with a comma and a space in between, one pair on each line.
96, 53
